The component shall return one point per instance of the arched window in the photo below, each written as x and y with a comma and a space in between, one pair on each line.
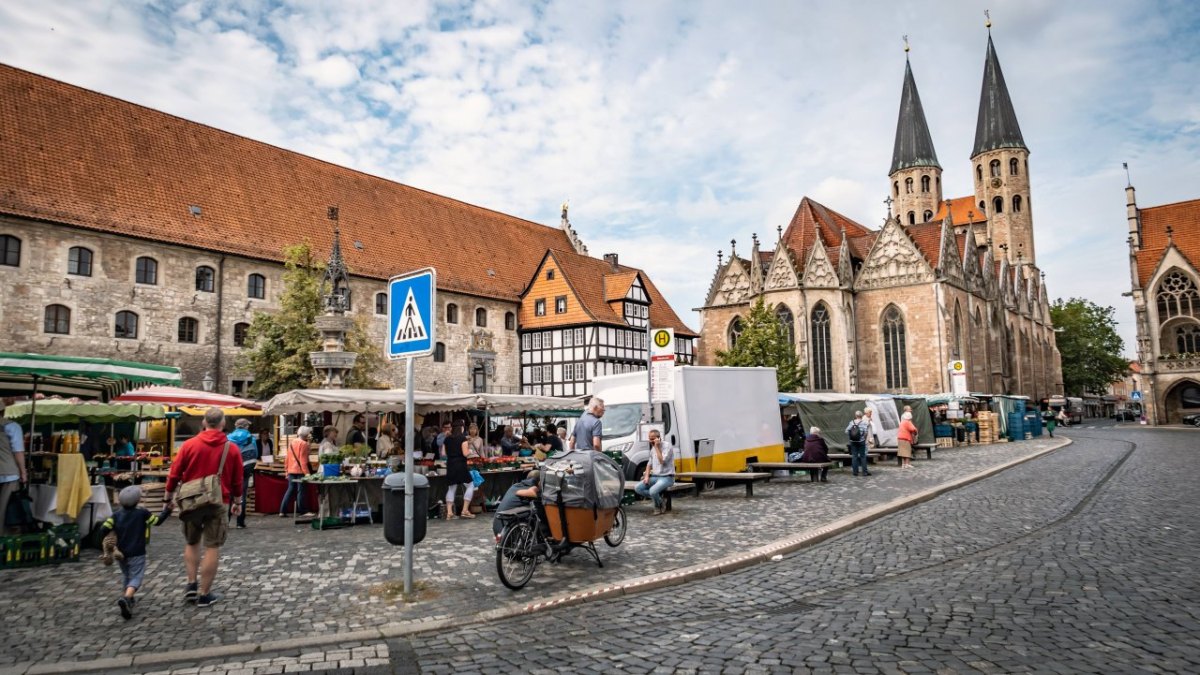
205, 279
787, 322
896, 188
895, 351
127, 325
79, 261
956, 346
452, 313
189, 330
481, 317
439, 352
381, 303
510, 321
908, 185
240, 332
57, 320
1187, 338
979, 172
10, 250
822, 354
735, 331
924, 183
938, 182
1177, 296
146, 270
912, 217
998, 205
928, 216
1016, 204
1012, 166
982, 208
256, 287
995, 167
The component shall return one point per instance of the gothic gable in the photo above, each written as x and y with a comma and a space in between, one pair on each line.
819, 272
972, 272
845, 269
893, 261
948, 257
782, 273
734, 286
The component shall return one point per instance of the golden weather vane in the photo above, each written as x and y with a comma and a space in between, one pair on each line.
987, 13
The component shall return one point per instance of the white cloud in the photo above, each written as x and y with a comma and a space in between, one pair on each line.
334, 72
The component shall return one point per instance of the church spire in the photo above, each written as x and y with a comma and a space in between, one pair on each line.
997, 126
914, 145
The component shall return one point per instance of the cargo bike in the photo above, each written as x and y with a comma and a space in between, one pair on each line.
579, 504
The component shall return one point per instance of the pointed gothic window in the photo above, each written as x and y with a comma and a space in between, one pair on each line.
787, 322
998, 205
908, 185
1016, 204
1187, 339
1177, 296
956, 346
822, 356
1012, 166
924, 183
895, 351
928, 216
995, 167
735, 331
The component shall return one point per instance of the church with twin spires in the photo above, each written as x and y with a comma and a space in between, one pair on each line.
944, 279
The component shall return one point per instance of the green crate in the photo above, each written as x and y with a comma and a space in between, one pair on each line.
23, 550
64, 541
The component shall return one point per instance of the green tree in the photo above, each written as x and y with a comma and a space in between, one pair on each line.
278, 344
1090, 347
764, 342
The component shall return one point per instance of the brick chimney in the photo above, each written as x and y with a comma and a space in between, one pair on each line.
611, 259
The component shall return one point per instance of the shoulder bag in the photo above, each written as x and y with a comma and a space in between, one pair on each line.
200, 493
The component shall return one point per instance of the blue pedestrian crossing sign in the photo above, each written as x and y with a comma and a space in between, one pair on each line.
412, 303
1135, 396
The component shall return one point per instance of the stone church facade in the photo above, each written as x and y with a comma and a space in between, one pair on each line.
886, 310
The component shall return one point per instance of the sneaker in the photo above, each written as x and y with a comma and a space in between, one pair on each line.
866, 473
126, 606
193, 589
241, 527
208, 600
283, 515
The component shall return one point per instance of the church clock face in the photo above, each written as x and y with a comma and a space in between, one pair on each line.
996, 182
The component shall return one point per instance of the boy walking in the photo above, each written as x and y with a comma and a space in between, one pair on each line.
132, 527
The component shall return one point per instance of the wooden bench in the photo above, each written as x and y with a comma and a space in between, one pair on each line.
893, 452
676, 488
927, 447
791, 466
709, 480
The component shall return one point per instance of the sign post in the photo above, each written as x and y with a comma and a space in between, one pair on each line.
958, 378
662, 365
412, 303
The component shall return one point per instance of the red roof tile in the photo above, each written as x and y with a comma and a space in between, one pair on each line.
963, 210
928, 238
1184, 220
812, 222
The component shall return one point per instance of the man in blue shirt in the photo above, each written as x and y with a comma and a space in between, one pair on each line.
589, 429
12, 462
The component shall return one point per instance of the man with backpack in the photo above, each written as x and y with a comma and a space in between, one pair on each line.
207, 473
857, 431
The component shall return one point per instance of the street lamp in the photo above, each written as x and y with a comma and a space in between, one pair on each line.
208, 382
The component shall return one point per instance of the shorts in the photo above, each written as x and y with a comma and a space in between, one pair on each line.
208, 525
132, 571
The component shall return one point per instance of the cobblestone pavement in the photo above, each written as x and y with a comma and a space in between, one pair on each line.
280, 581
1053, 566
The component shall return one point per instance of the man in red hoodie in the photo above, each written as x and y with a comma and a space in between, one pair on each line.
200, 457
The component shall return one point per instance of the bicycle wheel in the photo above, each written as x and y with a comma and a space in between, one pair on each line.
616, 534
516, 556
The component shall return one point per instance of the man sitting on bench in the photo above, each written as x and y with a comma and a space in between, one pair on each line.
816, 451
660, 471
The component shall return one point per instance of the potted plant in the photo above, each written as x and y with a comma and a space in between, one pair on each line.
331, 464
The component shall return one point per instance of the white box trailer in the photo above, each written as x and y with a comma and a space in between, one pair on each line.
718, 420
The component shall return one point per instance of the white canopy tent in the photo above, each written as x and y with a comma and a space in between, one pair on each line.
392, 400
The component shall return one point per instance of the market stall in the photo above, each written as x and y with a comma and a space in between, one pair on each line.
833, 412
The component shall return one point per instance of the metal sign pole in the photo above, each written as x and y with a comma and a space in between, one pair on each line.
409, 440
649, 373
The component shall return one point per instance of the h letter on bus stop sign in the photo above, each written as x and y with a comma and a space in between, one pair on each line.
412, 304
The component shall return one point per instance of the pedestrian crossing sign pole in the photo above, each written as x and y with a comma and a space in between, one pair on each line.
412, 304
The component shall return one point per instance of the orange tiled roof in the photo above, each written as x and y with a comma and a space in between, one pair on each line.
1184, 220
928, 238
815, 222
588, 278
81, 158
963, 211
616, 286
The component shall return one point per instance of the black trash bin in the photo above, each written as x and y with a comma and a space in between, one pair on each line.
393, 507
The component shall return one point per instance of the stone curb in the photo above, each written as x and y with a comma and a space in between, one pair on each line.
633, 586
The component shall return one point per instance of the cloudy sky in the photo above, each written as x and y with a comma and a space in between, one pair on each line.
672, 127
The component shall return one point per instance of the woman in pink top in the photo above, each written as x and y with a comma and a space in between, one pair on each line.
904, 440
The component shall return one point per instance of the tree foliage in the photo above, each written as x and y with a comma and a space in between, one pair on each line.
764, 342
1090, 347
278, 344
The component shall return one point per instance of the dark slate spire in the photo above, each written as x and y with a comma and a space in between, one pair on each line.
997, 126
914, 146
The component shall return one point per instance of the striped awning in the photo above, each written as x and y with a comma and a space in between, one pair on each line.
77, 376
177, 396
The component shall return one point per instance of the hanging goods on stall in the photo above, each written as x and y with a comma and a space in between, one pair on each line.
203, 492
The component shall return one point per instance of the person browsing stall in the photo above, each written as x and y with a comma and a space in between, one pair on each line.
660, 471
296, 466
12, 462
857, 431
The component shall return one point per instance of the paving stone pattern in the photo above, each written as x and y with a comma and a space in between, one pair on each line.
1033, 570
281, 581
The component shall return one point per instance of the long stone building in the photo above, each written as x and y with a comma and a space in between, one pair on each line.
886, 310
129, 233
1164, 266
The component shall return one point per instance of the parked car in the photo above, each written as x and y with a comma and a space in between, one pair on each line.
1193, 419
1125, 416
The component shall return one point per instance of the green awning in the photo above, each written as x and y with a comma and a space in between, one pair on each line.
69, 411
77, 375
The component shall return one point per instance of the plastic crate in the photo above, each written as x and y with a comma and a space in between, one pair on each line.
24, 550
63, 543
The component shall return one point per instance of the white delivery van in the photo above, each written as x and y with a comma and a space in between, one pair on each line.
719, 418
